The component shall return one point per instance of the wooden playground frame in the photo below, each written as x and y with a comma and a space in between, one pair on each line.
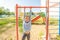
47, 16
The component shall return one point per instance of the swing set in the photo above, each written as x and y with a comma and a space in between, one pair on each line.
30, 7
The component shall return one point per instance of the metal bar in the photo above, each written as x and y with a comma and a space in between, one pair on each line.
32, 7
16, 22
47, 19
59, 18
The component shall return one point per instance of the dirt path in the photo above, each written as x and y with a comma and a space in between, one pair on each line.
35, 31
9, 33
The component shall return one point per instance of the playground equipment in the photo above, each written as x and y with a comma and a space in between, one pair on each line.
59, 18
33, 19
47, 16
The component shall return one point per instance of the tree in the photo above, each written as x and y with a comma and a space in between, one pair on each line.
42, 14
12, 13
1, 10
5, 12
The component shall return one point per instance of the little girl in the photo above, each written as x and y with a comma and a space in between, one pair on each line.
26, 28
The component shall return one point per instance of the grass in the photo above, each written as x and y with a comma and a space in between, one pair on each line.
20, 22
4, 22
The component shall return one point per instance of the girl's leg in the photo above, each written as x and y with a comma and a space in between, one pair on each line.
28, 36
24, 36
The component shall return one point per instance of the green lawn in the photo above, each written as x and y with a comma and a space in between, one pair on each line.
4, 22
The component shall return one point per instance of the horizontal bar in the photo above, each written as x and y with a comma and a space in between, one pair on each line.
32, 7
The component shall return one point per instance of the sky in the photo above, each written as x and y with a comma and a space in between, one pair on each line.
11, 4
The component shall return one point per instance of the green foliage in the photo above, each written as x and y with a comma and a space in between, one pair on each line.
42, 14
11, 20
5, 12
3, 21
20, 22
6, 21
